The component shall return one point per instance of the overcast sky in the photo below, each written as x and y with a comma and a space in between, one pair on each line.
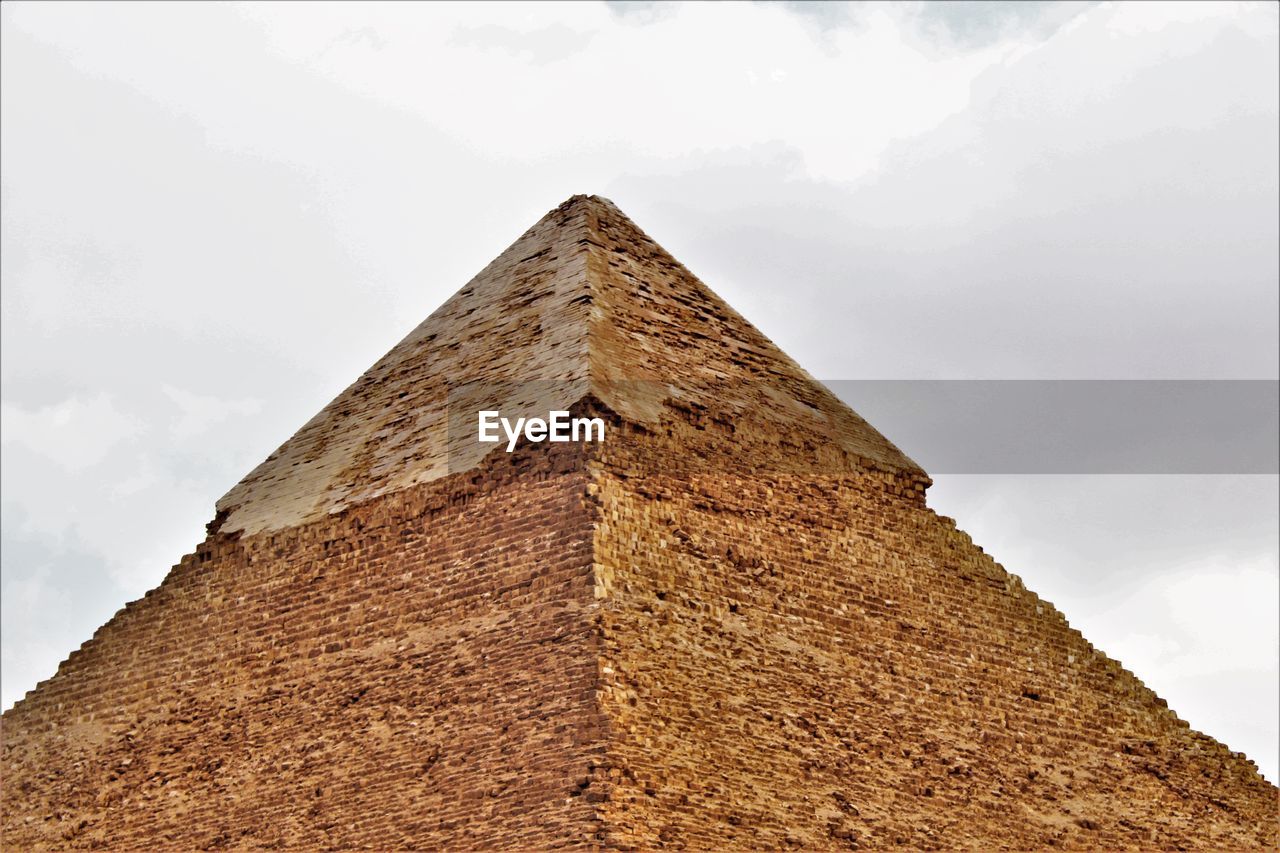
216, 216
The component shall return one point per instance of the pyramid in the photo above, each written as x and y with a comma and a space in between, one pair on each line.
731, 622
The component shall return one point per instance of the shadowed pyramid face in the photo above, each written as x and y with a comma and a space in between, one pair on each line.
729, 622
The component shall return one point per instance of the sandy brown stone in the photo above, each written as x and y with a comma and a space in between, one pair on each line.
734, 623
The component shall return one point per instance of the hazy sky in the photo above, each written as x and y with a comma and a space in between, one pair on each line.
216, 216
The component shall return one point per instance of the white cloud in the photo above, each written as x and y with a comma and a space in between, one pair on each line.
516, 80
200, 413
1218, 614
74, 434
130, 481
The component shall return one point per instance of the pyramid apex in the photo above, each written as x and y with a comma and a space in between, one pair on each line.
583, 305
586, 198
587, 202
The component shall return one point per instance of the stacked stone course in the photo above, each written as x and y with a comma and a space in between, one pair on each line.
734, 623
823, 662
415, 671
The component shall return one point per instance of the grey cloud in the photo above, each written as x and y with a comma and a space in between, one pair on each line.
1126, 236
46, 607
979, 23
1076, 427
953, 24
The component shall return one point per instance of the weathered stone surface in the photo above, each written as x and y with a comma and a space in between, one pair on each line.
583, 304
734, 623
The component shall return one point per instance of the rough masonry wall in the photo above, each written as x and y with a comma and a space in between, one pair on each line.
793, 659
417, 672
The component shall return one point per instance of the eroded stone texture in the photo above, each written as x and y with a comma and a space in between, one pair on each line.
735, 623
417, 671
823, 662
